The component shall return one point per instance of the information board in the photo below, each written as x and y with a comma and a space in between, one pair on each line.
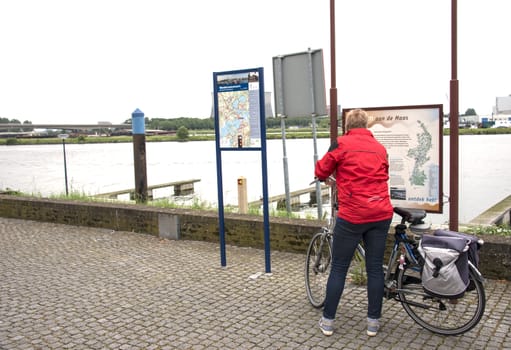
413, 138
238, 103
239, 114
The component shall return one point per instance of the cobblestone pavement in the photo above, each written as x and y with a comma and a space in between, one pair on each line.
67, 287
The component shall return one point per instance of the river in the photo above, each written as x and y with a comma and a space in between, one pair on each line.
485, 167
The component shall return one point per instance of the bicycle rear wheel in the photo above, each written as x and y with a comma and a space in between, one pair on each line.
317, 268
439, 315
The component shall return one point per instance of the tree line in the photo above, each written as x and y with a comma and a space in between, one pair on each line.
13, 121
173, 124
271, 123
209, 123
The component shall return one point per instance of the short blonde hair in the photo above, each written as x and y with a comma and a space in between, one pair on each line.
356, 118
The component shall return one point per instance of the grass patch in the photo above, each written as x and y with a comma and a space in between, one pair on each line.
79, 197
167, 203
196, 204
209, 135
497, 230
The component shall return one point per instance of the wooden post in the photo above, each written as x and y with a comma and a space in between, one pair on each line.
139, 154
242, 195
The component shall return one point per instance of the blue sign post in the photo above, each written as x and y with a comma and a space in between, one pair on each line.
240, 126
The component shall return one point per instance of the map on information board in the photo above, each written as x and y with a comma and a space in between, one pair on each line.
238, 109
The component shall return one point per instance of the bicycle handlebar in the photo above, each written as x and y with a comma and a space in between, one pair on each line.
331, 178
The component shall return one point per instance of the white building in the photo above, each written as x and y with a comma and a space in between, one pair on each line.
502, 121
502, 112
502, 105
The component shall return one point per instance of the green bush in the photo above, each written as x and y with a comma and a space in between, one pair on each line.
11, 141
182, 133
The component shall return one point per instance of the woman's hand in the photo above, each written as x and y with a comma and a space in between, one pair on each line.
330, 181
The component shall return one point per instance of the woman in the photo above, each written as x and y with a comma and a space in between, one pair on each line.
360, 164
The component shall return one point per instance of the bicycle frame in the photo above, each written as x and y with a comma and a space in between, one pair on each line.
317, 262
402, 246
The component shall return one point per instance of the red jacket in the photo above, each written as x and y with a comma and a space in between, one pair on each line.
362, 172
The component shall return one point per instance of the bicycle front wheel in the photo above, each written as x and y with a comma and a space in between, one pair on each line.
439, 315
317, 268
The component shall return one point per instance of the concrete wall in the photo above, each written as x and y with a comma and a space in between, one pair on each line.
291, 235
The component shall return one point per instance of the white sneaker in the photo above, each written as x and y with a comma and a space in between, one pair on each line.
372, 327
326, 326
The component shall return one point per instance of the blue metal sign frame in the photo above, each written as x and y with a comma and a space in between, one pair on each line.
240, 125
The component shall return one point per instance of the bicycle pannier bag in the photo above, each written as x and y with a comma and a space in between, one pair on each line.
445, 271
473, 246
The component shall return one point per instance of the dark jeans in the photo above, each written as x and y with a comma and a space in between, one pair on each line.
346, 238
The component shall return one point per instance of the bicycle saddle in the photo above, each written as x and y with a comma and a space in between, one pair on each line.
413, 216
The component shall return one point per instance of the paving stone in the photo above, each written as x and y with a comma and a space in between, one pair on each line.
67, 287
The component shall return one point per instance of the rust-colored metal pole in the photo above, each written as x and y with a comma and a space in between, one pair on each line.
454, 123
333, 88
333, 94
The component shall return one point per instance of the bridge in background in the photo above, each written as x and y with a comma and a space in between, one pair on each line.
45, 130
65, 126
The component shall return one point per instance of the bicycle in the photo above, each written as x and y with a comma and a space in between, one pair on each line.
402, 277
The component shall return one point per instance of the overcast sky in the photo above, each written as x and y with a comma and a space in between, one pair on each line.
84, 61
